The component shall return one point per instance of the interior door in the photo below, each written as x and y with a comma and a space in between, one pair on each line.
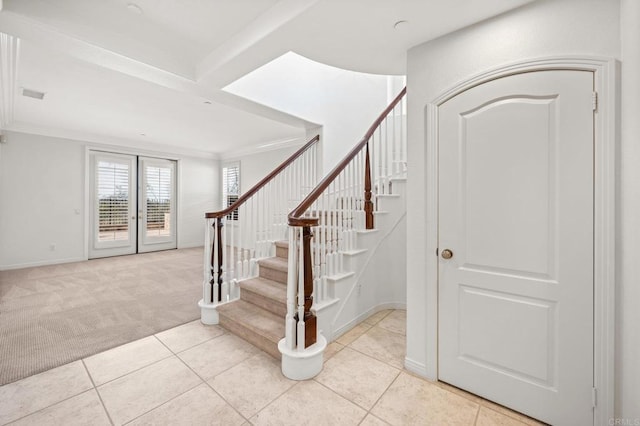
156, 205
516, 243
113, 196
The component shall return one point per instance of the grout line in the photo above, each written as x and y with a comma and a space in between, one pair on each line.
279, 396
390, 331
50, 405
382, 394
133, 371
226, 402
206, 382
514, 415
380, 397
475, 420
377, 359
164, 403
45, 408
366, 411
98, 393
385, 315
190, 347
173, 355
295, 383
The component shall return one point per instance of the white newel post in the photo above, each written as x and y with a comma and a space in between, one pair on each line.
298, 362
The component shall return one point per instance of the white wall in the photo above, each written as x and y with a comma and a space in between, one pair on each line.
41, 188
42, 199
542, 29
628, 337
198, 192
344, 102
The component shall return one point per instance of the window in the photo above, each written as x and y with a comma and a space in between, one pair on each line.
112, 186
231, 187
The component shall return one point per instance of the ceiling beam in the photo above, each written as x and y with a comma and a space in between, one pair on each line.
274, 18
52, 39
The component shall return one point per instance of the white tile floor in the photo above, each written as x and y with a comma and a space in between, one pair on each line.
202, 375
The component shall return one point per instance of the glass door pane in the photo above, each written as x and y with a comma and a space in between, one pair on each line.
113, 202
156, 206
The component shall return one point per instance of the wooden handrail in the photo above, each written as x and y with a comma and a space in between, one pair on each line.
296, 216
244, 197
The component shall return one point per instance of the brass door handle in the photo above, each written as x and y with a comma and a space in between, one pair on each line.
447, 254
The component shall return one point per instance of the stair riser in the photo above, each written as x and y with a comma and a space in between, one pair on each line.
274, 306
282, 252
250, 336
273, 274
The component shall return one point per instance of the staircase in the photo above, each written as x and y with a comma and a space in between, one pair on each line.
258, 316
346, 232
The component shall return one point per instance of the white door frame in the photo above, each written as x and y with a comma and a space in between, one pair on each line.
605, 76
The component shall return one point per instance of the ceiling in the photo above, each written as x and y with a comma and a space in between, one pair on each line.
153, 70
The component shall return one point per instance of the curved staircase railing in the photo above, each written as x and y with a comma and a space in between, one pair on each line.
332, 213
238, 235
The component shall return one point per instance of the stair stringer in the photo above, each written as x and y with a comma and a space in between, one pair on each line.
376, 272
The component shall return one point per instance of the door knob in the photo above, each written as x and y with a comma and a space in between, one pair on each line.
447, 254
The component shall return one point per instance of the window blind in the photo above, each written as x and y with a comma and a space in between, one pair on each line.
112, 181
231, 188
159, 190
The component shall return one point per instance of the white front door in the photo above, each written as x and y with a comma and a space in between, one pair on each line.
133, 204
516, 214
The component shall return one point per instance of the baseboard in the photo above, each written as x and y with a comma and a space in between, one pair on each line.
366, 314
417, 368
190, 245
42, 263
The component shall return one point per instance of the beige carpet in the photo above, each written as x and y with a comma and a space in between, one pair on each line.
53, 315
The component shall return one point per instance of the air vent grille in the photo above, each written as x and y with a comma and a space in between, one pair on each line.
32, 94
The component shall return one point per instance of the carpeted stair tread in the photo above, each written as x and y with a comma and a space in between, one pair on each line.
277, 263
282, 243
268, 294
274, 268
258, 326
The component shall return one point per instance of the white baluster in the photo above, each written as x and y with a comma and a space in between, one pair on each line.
206, 286
225, 291
253, 264
231, 249
317, 291
234, 289
403, 134
290, 324
388, 165
301, 332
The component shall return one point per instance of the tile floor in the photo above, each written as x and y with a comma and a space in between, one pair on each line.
202, 375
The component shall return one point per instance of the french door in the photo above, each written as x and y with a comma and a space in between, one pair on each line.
133, 201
